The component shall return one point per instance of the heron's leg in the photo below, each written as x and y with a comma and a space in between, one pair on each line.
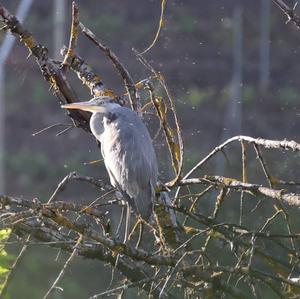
120, 196
121, 220
127, 222
138, 243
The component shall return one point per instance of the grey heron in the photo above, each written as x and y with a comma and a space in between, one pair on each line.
127, 149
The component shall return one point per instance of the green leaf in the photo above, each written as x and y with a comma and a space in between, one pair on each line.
4, 234
4, 258
3, 271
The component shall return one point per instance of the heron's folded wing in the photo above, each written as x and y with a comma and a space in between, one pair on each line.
130, 159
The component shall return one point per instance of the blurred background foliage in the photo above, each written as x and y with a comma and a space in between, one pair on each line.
195, 54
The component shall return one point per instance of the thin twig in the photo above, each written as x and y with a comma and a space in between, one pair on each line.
198, 197
11, 274
160, 26
271, 181
127, 286
73, 37
263, 165
289, 12
178, 148
128, 81
52, 126
171, 274
245, 178
291, 199
66, 265
274, 144
74, 176
162, 115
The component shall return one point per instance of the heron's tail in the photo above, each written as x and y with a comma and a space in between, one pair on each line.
144, 206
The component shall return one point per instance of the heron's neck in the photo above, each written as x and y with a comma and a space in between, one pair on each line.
96, 124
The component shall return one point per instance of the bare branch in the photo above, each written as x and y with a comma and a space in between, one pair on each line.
73, 37
289, 12
11, 274
291, 199
171, 253
177, 147
63, 270
88, 77
60, 219
129, 83
73, 176
160, 26
87, 249
162, 115
50, 70
271, 144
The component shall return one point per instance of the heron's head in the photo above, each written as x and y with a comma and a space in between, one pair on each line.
97, 104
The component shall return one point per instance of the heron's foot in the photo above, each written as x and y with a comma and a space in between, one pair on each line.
121, 239
118, 238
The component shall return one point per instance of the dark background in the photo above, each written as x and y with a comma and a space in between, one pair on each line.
195, 52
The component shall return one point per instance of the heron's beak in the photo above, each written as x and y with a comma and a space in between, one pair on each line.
86, 106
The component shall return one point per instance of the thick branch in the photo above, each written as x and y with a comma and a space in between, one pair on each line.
87, 249
88, 76
50, 70
291, 199
46, 211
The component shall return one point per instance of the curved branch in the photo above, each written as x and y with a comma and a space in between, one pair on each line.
73, 36
128, 81
267, 143
291, 199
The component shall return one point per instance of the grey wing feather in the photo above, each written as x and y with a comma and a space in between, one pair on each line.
130, 159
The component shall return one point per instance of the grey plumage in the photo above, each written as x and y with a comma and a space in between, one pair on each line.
127, 150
